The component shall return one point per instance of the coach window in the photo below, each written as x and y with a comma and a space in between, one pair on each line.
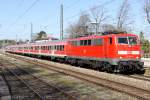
48, 47
58, 47
42, 47
38, 47
55, 47
75, 43
85, 42
81, 42
72, 43
63, 47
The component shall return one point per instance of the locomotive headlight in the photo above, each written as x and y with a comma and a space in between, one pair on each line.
120, 57
137, 57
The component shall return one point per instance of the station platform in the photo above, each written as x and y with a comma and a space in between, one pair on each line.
146, 62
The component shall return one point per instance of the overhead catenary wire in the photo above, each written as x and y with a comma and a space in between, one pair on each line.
71, 5
22, 15
107, 2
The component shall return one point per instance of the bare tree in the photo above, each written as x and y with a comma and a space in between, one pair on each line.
72, 29
147, 10
80, 27
123, 15
83, 23
98, 15
108, 27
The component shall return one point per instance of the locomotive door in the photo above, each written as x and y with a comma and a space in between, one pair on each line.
107, 46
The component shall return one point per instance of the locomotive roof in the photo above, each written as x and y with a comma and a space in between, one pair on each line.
101, 36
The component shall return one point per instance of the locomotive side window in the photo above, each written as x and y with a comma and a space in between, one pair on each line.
97, 41
123, 40
85, 42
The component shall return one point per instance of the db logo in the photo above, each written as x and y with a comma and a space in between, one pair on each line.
84, 51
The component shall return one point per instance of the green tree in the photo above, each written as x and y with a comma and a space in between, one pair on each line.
41, 36
144, 43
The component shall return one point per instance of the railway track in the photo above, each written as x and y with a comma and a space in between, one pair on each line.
131, 90
35, 88
140, 77
19, 90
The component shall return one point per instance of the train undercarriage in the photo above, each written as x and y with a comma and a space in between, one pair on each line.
124, 67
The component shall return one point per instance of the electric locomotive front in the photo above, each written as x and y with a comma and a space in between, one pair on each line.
128, 53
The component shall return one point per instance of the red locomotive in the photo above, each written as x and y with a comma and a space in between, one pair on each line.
112, 52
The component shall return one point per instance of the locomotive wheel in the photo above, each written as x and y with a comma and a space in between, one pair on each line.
140, 71
109, 68
120, 68
106, 67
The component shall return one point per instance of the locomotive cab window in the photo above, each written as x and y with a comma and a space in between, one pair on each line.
132, 40
127, 40
122, 40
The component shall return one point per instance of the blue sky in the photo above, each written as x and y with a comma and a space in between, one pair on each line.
45, 15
